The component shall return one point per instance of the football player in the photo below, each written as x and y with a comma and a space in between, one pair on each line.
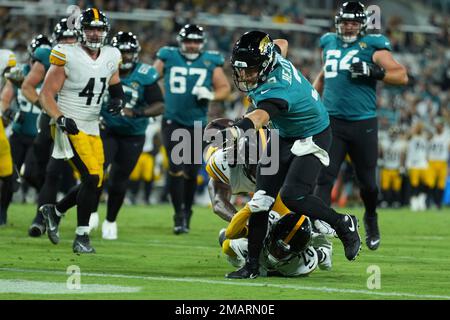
289, 250
40, 167
438, 154
123, 135
80, 75
192, 78
7, 61
283, 96
24, 127
353, 63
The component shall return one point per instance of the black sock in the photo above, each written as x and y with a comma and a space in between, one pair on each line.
115, 201
314, 208
176, 189
256, 234
438, 194
5, 197
190, 186
148, 187
70, 200
370, 201
86, 200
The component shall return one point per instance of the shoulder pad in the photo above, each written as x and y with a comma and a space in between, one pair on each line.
147, 73
327, 38
379, 42
58, 55
166, 52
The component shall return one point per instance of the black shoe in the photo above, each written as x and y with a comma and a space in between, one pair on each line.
179, 224
36, 230
372, 231
187, 221
81, 244
51, 222
347, 231
243, 273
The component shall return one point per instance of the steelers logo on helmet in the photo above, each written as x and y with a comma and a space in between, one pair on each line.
351, 21
252, 60
289, 236
62, 32
191, 40
94, 27
38, 41
129, 47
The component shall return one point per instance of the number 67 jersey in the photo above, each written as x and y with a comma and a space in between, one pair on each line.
86, 82
180, 77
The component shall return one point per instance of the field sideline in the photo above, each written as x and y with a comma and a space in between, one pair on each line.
149, 262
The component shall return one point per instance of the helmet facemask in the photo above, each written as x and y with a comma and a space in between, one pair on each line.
351, 12
189, 51
91, 37
340, 30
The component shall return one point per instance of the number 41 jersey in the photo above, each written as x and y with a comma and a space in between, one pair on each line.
86, 81
180, 77
344, 97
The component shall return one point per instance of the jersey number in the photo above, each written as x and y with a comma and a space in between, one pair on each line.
332, 62
88, 90
177, 79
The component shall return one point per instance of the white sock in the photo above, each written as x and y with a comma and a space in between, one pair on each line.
59, 214
82, 230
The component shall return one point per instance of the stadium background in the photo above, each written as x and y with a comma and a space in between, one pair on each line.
418, 30
414, 256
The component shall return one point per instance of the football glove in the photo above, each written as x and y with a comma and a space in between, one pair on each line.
203, 93
67, 125
115, 106
15, 75
8, 115
260, 202
362, 69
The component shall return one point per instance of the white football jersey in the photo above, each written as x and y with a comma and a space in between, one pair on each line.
416, 157
438, 147
86, 82
392, 153
235, 176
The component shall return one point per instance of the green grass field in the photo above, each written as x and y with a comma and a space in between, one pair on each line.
149, 262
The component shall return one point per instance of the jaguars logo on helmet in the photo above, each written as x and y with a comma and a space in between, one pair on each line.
129, 46
93, 19
253, 54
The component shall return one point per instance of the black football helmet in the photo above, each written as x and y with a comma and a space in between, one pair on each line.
38, 41
191, 32
129, 46
93, 18
289, 236
351, 11
252, 59
62, 31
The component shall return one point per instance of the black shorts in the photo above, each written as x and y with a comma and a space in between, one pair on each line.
192, 143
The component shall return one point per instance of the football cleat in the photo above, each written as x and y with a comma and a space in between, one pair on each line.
243, 273
109, 230
51, 220
82, 244
179, 223
347, 231
325, 262
372, 231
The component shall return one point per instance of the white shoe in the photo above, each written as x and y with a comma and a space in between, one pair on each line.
326, 262
413, 204
109, 230
93, 221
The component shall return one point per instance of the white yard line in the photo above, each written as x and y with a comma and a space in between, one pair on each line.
242, 284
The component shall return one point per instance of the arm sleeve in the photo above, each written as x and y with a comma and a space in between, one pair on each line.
273, 106
153, 93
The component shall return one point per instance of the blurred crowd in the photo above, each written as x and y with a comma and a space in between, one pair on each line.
426, 55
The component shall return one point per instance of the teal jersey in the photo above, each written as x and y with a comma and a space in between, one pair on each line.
306, 115
30, 113
133, 86
344, 97
43, 56
180, 77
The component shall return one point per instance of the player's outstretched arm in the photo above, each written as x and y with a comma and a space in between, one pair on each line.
283, 44
31, 81
220, 194
395, 73
53, 82
221, 85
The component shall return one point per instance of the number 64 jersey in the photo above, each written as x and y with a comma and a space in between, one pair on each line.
86, 82
180, 77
